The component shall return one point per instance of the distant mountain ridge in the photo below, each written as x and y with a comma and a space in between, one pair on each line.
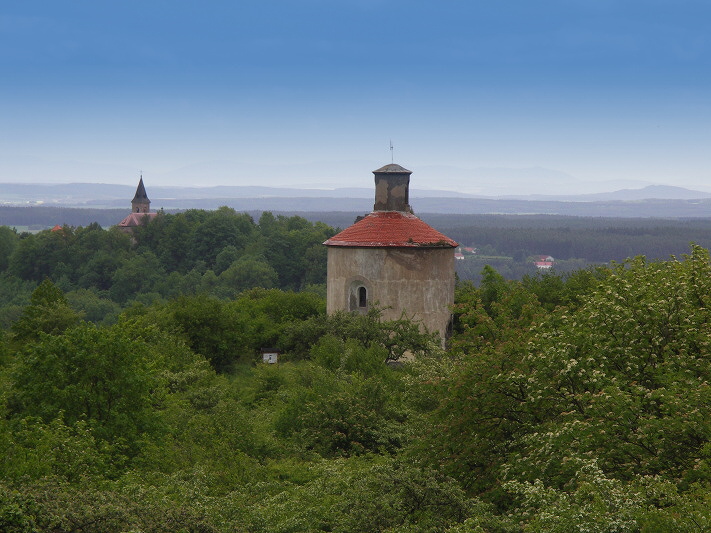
650, 192
76, 194
650, 201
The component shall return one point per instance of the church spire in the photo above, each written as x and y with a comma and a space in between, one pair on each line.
140, 202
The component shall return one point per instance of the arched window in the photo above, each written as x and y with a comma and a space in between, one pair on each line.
362, 297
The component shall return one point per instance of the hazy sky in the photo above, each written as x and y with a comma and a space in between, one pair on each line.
294, 91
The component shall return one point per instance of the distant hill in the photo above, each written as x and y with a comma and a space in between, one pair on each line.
107, 195
98, 194
81, 204
650, 192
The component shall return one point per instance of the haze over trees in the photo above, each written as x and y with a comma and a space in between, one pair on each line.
132, 397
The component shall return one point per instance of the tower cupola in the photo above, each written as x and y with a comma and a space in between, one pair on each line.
392, 189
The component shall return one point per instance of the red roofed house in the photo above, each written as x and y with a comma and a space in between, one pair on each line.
140, 210
545, 262
393, 259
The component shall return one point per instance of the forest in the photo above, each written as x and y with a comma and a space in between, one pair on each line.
220, 253
509, 243
132, 396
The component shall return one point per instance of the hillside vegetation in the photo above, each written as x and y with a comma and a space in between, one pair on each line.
576, 402
220, 253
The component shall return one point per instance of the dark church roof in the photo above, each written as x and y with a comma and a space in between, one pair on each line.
141, 195
391, 229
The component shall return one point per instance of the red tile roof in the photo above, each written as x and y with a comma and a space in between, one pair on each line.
381, 229
135, 219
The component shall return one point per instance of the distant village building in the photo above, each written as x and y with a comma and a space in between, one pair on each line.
140, 210
544, 262
392, 259
461, 251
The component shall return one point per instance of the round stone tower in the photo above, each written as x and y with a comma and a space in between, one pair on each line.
392, 259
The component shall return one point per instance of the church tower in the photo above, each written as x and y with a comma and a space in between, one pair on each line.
392, 259
140, 202
140, 210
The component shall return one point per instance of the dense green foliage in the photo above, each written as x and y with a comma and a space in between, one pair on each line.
219, 253
594, 416
576, 402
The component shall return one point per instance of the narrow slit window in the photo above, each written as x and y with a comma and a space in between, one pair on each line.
362, 297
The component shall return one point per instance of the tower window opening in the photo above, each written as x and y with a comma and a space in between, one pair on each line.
362, 297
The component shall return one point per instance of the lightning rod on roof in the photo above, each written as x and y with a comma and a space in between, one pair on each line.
392, 157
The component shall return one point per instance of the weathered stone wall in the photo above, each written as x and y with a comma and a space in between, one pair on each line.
416, 281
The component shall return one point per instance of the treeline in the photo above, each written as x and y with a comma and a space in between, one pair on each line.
596, 240
563, 403
219, 253
49, 216
224, 252
591, 239
594, 245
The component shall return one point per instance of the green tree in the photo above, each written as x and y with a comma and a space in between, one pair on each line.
268, 317
8, 242
208, 327
36, 256
49, 312
246, 273
397, 337
104, 375
34, 449
621, 381
137, 275
343, 414
92, 306
169, 237
223, 227
626, 377
228, 255
15, 295
293, 247
375, 494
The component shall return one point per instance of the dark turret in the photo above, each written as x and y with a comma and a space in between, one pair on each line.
140, 202
392, 189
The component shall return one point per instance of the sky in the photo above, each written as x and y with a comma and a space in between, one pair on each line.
599, 94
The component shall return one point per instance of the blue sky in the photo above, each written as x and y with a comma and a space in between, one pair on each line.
292, 92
